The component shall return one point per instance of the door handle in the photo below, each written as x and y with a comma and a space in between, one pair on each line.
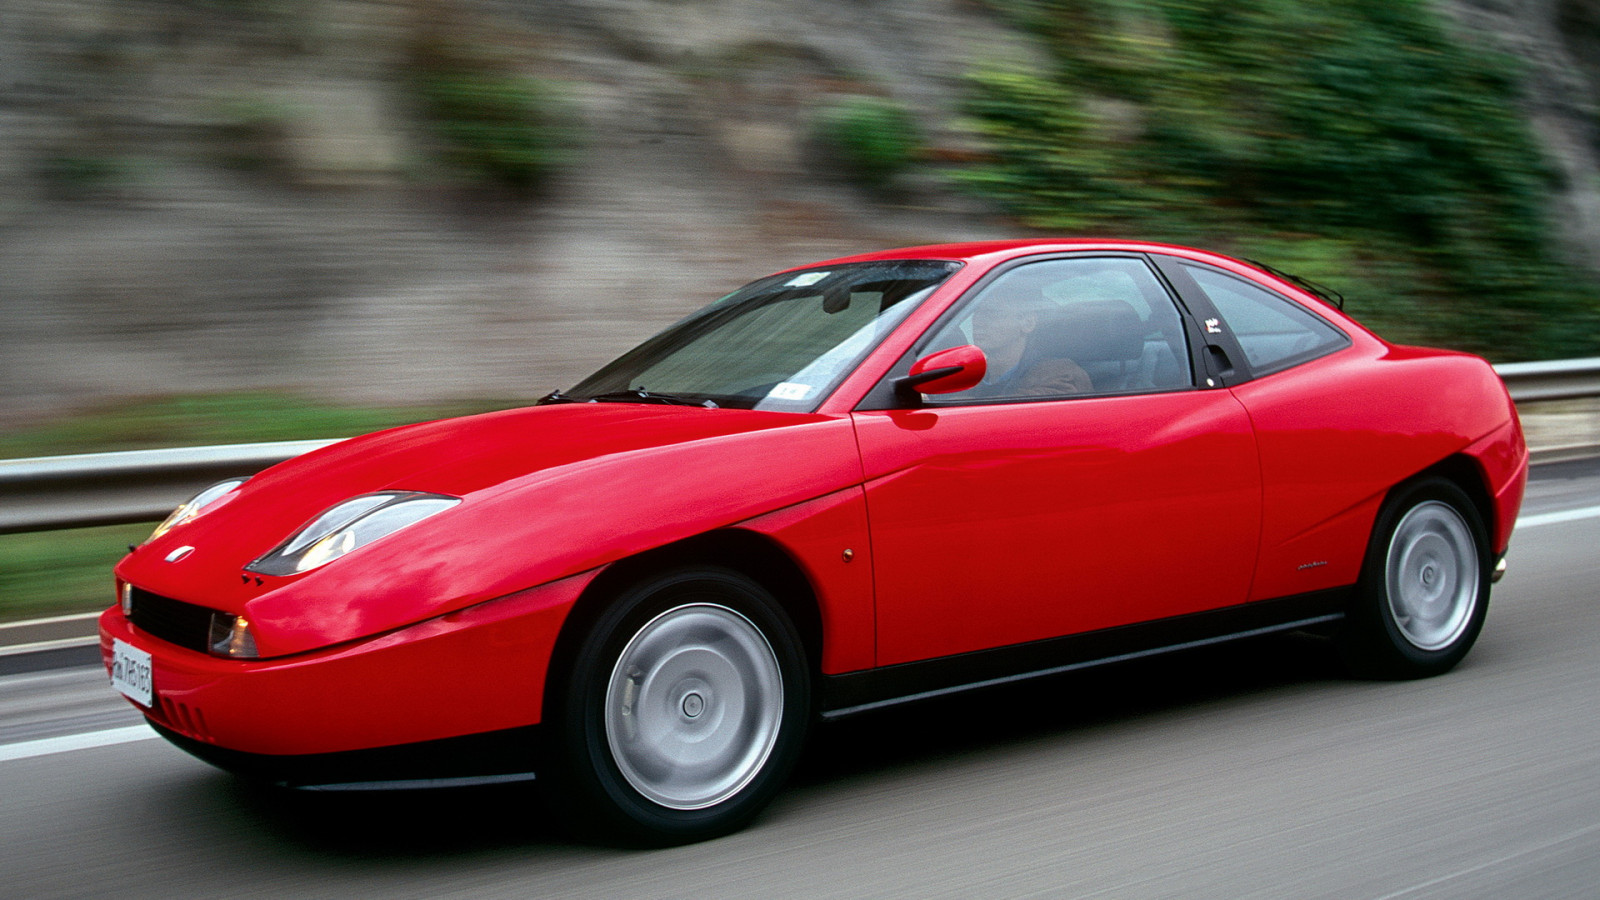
1221, 365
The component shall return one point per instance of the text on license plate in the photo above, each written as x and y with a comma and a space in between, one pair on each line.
131, 673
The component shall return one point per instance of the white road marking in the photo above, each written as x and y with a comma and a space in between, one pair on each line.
41, 646
47, 746
1565, 515
52, 620
1536, 848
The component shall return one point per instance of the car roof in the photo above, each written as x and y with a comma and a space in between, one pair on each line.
996, 250
989, 253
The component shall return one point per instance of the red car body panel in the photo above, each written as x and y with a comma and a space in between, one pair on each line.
474, 670
920, 533
830, 540
462, 667
1330, 454
1503, 459
548, 492
1037, 520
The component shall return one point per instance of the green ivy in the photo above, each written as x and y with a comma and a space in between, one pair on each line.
1362, 132
506, 129
875, 138
492, 122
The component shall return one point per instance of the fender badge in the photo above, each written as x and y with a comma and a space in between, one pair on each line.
179, 553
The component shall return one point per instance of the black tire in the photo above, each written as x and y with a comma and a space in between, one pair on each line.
1424, 587
681, 712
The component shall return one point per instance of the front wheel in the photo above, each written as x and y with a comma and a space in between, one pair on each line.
1424, 587
683, 710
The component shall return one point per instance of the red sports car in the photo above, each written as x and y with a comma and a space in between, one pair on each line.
853, 484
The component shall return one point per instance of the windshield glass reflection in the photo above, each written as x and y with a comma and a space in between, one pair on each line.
781, 343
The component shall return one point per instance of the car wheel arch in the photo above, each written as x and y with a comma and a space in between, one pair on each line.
749, 553
1467, 474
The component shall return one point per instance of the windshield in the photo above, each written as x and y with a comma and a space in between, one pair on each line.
781, 343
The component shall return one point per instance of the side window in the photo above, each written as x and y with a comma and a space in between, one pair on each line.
1274, 331
1072, 326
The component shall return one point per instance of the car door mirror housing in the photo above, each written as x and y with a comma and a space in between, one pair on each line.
945, 372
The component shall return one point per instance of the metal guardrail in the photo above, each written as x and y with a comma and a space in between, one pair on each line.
50, 492
1561, 379
47, 493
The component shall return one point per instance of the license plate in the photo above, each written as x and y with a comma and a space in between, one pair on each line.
132, 673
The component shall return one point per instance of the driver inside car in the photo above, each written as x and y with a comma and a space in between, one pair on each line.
1001, 327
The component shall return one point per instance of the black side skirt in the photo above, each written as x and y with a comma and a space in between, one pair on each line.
857, 692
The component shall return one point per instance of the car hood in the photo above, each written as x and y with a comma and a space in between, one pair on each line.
546, 492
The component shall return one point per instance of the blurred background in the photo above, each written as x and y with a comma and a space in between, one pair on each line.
231, 220
378, 202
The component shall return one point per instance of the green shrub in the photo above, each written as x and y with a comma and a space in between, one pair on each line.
1355, 123
507, 129
492, 122
875, 138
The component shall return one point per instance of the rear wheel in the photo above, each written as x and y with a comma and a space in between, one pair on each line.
682, 712
1424, 587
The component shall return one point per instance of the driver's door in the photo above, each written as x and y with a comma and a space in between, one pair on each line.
1002, 521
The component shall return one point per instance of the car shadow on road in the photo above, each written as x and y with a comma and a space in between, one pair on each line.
972, 721
394, 824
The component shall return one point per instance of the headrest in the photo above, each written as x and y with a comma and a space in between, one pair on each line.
1090, 331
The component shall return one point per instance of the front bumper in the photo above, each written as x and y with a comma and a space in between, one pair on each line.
472, 672
492, 757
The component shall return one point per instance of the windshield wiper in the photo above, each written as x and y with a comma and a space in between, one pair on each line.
556, 396
640, 395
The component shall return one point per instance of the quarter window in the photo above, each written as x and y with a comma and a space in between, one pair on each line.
1274, 331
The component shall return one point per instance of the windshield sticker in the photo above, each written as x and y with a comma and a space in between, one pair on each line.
789, 390
806, 279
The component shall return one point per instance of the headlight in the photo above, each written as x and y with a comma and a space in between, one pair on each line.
354, 523
195, 506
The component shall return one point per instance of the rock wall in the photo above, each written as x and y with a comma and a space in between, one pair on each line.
1557, 43
200, 197
208, 196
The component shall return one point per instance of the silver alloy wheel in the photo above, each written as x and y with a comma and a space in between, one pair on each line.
1432, 575
693, 707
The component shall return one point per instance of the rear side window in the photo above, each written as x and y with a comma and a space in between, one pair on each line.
1274, 331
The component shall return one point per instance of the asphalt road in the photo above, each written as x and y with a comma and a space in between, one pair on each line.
1253, 770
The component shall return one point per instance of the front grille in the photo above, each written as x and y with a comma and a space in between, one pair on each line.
173, 621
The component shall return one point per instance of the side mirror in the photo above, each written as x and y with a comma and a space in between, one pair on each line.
945, 372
